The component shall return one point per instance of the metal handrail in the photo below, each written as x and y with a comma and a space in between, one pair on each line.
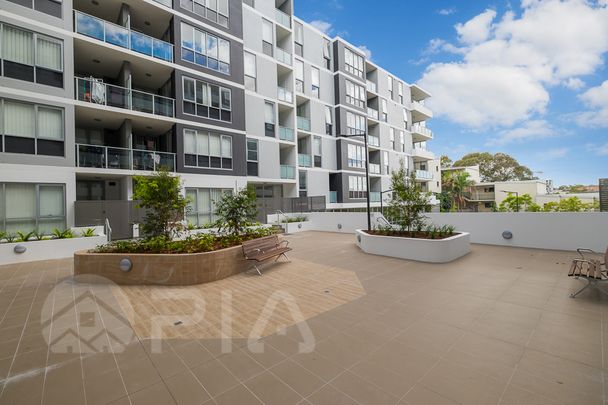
130, 152
278, 213
108, 230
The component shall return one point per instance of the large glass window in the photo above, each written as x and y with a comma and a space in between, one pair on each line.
250, 71
386, 162
214, 10
269, 119
30, 56
207, 100
27, 207
204, 49
202, 205
353, 63
299, 68
355, 124
390, 86
357, 187
299, 38
400, 92
384, 111
392, 138
252, 157
327, 53
356, 156
207, 150
355, 94
328, 120
316, 81
31, 128
317, 151
267, 37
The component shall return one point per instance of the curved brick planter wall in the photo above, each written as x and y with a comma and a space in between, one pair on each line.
163, 269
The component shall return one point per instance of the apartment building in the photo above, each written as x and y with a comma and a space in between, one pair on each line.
223, 92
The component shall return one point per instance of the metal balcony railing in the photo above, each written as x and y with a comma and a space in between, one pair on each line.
96, 92
303, 124
283, 18
288, 172
480, 196
371, 86
282, 56
372, 113
422, 130
286, 134
284, 95
304, 160
120, 36
109, 157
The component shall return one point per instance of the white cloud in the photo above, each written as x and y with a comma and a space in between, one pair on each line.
600, 150
555, 153
530, 130
366, 51
574, 83
595, 98
477, 29
509, 62
449, 11
323, 26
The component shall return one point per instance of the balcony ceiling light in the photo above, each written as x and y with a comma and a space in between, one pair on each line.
96, 61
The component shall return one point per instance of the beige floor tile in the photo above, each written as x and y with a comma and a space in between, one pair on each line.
301, 380
139, 374
104, 388
420, 395
237, 395
193, 353
517, 396
156, 394
318, 365
328, 395
26, 390
186, 389
241, 365
389, 381
272, 391
429, 336
215, 377
362, 390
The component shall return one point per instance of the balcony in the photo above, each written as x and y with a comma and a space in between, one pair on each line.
282, 56
374, 168
333, 197
303, 124
284, 95
422, 154
424, 175
371, 86
95, 92
373, 140
283, 18
288, 172
375, 196
480, 196
114, 34
420, 112
286, 134
421, 133
304, 160
108, 157
371, 113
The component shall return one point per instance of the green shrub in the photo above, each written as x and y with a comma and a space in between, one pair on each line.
24, 237
39, 235
10, 238
88, 233
65, 234
236, 211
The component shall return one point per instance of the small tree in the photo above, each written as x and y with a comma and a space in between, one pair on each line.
161, 196
236, 211
513, 203
409, 202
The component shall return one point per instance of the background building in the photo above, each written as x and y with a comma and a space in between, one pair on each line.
224, 93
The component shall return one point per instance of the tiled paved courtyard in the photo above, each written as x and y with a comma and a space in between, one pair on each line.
495, 327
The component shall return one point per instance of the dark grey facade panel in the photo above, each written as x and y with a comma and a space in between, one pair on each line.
235, 18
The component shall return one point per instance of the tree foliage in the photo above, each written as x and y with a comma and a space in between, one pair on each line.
497, 167
445, 161
515, 203
409, 202
457, 183
161, 196
570, 204
236, 211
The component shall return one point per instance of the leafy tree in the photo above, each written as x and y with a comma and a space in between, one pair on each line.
409, 202
236, 211
161, 196
445, 201
459, 183
514, 203
445, 161
571, 204
574, 189
497, 167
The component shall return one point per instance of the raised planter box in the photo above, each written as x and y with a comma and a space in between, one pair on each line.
422, 250
47, 249
162, 269
295, 227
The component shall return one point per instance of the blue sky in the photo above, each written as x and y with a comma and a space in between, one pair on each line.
527, 77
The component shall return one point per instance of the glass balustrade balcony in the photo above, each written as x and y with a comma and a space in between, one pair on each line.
374, 196
374, 168
108, 157
286, 134
284, 95
371, 86
95, 92
424, 175
372, 113
288, 172
304, 160
114, 34
333, 197
303, 124
283, 18
282, 56
373, 140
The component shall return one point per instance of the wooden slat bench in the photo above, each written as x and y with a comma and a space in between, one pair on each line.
262, 249
590, 269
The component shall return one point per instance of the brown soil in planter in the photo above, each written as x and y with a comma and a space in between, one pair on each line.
405, 234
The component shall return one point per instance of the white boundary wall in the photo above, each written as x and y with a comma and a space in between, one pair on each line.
542, 230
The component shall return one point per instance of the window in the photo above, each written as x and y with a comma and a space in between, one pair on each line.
33, 129
355, 94
355, 124
317, 149
357, 187
214, 10
385, 161
353, 63
384, 112
31, 57
207, 100
390, 86
327, 53
402, 141
201, 204
204, 49
356, 156
405, 118
392, 138
250, 71
50, 7
207, 150
299, 38
316, 81
32, 207
400, 92
299, 76
252, 157
269, 119
267, 37
328, 120
303, 183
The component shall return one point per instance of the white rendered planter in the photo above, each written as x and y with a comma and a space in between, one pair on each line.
47, 249
295, 227
422, 250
